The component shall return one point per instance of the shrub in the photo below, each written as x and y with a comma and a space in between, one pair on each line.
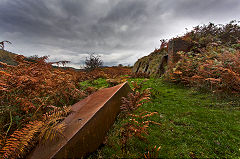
213, 61
218, 69
92, 62
212, 34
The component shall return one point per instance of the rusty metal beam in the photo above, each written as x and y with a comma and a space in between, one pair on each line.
87, 126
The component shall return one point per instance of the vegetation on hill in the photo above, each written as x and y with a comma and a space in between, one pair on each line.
213, 61
212, 34
7, 57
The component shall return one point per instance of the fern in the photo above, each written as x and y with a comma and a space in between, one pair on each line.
52, 128
137, 124
135, 99
26, 90
23, 140
153, 153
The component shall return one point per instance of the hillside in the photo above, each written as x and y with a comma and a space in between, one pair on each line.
202, 40
7, 57
206, 57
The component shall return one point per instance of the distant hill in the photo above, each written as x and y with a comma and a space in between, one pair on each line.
7, 57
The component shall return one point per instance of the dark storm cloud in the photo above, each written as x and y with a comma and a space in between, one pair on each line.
119, 30
205, 9
42, 18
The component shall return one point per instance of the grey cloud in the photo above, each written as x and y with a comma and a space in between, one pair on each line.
40, 18
206, 9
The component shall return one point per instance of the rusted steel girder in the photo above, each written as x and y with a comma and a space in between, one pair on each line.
87, 126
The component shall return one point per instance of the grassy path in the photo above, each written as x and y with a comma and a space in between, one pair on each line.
193, 124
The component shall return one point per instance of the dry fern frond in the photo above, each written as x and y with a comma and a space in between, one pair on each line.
21, 140
53, 127
51, 132
4, 73
137, 124
153, 153
135, 99
4, 65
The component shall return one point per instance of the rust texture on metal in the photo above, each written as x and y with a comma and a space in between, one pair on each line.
87, 126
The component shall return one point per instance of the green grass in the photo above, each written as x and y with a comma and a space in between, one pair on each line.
193, 124
98, 83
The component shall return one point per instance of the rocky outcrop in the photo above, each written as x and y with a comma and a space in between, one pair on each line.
158, 61
149, 64
162, 66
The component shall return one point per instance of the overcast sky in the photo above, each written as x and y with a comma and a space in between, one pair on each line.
121, 31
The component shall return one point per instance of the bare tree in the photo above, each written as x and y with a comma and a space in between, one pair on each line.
120, 65
2, 43
92, 62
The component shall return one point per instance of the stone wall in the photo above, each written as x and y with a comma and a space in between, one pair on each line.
175, 45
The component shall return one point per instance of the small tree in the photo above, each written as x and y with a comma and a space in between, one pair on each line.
92, 62
2, 43
120, 65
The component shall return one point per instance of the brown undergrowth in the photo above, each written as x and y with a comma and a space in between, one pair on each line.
218, 69
35, 98
213, 60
